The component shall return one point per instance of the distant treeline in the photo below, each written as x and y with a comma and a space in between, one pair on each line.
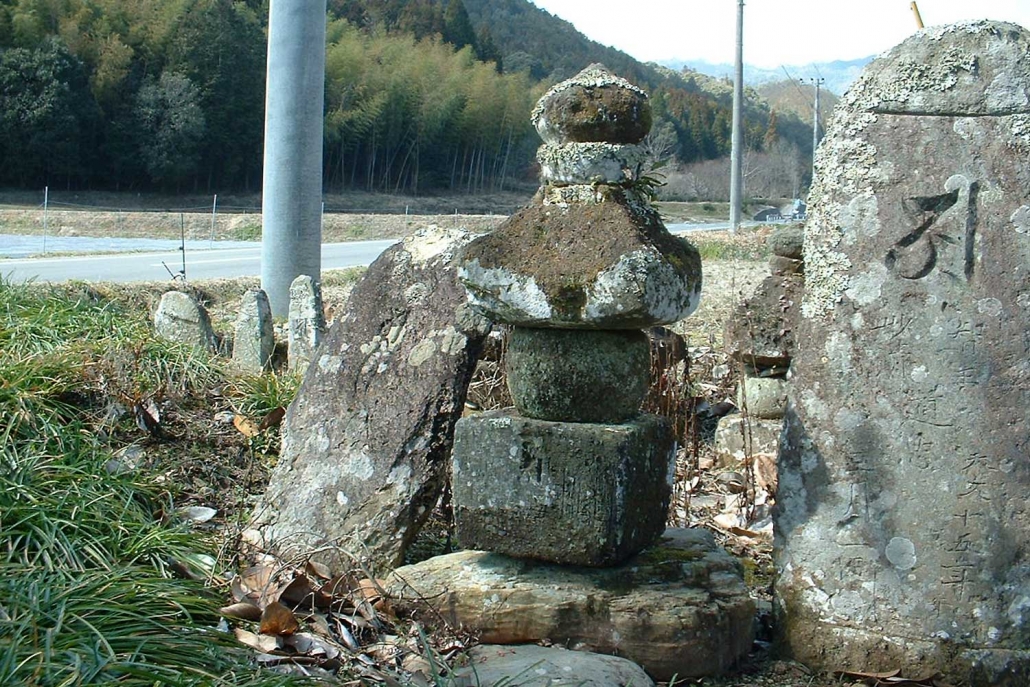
169, 94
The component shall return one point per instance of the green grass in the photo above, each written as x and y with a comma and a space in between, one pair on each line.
251, 231
85, 593
747, 244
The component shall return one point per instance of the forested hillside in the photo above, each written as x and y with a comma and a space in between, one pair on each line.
420, 94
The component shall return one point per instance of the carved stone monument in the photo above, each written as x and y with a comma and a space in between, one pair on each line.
903, 530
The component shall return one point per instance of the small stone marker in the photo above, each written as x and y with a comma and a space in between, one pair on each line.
366, 440
307, 321
181, 318
254, 340
903, 526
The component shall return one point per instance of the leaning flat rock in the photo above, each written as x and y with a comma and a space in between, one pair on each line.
609, 265
530, 665
366, 441
565, 492
678, 608
903, 527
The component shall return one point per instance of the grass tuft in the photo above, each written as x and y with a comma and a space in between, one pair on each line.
85, 550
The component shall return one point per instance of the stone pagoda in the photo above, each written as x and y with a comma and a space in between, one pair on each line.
561, 503
576, 474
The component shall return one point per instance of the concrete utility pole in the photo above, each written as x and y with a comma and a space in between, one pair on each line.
815, 122
291, 239
737, 142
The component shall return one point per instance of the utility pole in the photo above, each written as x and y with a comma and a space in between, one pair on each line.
291, 237
737, 141
815, 121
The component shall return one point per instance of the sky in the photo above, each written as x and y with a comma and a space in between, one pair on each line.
776, 32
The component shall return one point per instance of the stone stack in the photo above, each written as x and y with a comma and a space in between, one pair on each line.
576, 474
760, 339
566, 495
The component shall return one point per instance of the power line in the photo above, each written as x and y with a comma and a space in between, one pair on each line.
794, 82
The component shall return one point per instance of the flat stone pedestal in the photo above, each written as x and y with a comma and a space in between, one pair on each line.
573, 493
678, 608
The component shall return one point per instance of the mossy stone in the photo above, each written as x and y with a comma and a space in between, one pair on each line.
578, 376
593, 106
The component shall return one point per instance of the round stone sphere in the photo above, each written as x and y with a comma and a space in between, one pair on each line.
567, 375
595, 106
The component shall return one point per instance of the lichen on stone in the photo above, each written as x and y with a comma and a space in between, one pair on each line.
594, 76
588, 163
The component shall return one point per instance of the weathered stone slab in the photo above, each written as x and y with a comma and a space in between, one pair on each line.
678, 608
761, 331
607, 265
578, 493
307, 321
254, 340
903, 530
366, 441
567, 375
530, 665
764, 398
180, 317
736, 438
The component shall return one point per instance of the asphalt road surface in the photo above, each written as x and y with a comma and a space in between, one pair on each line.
201, 263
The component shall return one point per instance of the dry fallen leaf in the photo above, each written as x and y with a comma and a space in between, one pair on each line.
264, 644
197, 514
246, 426
277, 619
301, 592
273, 419
242, 610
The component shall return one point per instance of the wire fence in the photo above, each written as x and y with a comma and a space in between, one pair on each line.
217, 222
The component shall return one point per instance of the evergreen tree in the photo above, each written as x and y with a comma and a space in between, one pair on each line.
487, 50
47, 115
457, 27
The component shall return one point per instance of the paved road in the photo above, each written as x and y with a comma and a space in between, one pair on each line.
239, 260
200, 264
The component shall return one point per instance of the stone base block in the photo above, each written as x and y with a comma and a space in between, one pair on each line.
815, 642
575, 493
678, 608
